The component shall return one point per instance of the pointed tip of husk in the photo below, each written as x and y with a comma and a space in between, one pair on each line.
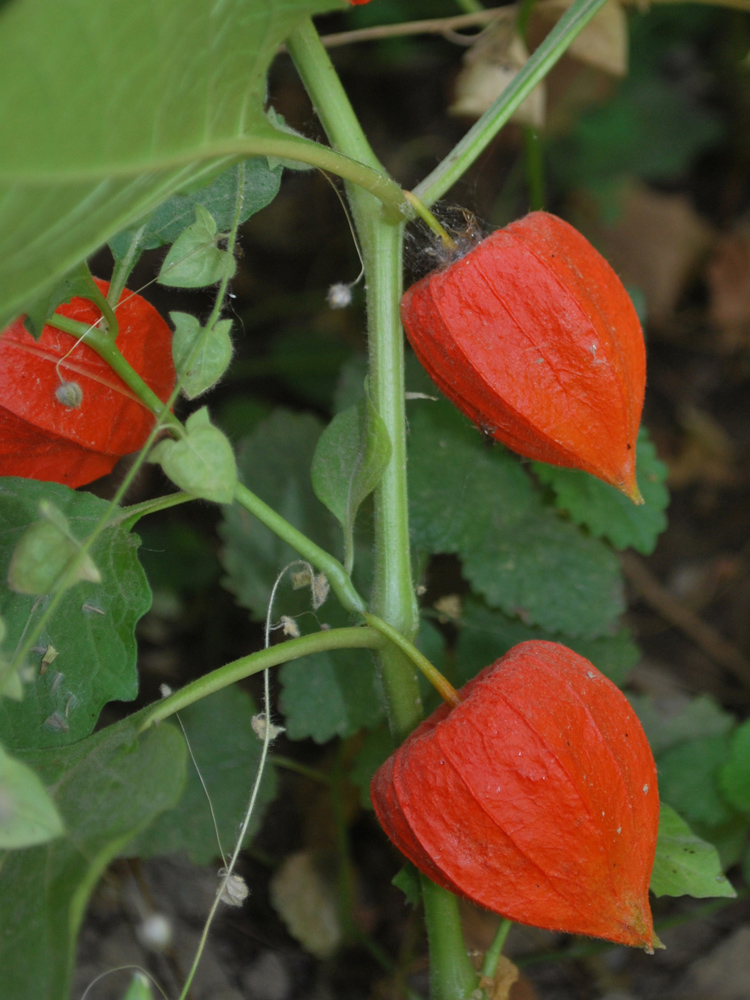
630, 488
635, 494
657, 944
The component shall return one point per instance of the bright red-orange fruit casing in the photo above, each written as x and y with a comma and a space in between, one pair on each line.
533, 336
535, 797
40, 436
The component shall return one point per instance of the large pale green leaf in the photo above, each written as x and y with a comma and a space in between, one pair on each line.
605, 511
517, 552
107, 788
685, 865
109, 108
227, 751
93, 629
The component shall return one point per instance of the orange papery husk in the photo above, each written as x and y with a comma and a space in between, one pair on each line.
40, 437
535, 797
533, 336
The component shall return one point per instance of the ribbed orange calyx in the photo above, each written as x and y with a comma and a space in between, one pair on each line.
533, 336
535, 797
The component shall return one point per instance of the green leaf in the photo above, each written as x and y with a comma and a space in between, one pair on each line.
93, 628
200, 356
729, 839
11, 685
45, 552
349, 461
407, 880
194, 260
202, 463
689, 780
685, 865
653, 128
486, 634
375, 750
278, 121
260, 185
735, 774
106, 116
27, 814
456, 481
72, 284
545, 572
605, 511
516, 552
107, 788
274, 462
697, 718
329, 694
227, 753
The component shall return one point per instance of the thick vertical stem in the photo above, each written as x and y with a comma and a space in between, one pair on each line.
452, 976
393, 598
380, 239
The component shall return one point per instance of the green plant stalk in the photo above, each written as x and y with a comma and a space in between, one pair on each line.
393, 598
129, 516
100, 302
492, 955
108, 351
441, 684
123, 267
452, 976
354, 162
284, 652
380, 238
480, 135
534, 164
336, 575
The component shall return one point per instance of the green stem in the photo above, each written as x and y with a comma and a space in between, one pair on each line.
381, 245
476, 140
246, 666
534, 163
429, 219
124, 266
97, 297
492, 956
452, 976
129, 516
288, 764
441, 684
337, 576
109, 352
393, 598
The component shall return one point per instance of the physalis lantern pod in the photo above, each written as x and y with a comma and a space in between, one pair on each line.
65, 416
532, 335
535, 797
